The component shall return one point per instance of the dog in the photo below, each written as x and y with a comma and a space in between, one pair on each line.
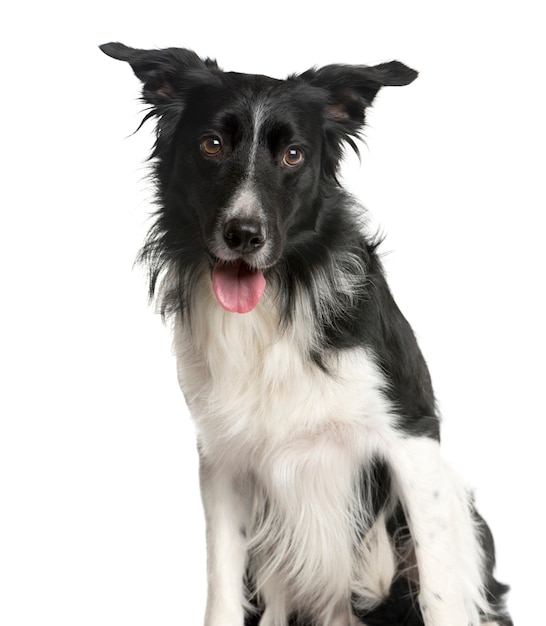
327, 501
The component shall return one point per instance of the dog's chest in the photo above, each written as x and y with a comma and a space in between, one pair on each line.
266, 412
253, 387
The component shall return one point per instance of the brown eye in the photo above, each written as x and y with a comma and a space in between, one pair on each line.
211, 146
293, 157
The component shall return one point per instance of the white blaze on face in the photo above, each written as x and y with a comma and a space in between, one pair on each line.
259, 114
237, 285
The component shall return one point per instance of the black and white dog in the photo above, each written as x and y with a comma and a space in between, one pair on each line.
327, 502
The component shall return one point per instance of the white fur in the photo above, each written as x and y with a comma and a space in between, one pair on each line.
449, 556
282, 444
260, 112
224, 510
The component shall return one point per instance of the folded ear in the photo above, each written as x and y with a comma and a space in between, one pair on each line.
162, 72
352, 88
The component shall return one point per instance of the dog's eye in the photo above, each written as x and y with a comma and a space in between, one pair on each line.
212, 145
293, 157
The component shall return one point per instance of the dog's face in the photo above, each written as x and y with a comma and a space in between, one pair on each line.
246, 159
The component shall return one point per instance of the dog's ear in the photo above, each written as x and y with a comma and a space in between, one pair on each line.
163, 73
352, 88
349, 90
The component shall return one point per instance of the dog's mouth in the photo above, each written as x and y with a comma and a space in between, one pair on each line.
237, 286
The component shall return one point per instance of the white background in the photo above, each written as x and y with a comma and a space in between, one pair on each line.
100, 518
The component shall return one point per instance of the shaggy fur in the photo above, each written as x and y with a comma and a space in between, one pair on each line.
326, 499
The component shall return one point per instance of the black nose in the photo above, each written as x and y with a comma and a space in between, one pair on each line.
244, 235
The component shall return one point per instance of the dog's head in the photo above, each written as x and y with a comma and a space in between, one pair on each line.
244, 162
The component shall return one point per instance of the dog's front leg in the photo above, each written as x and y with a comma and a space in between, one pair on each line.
448, 553
224, 515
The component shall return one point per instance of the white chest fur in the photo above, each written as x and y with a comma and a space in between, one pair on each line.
252, 386
265, 412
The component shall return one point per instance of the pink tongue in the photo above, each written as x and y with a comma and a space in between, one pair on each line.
237, 287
